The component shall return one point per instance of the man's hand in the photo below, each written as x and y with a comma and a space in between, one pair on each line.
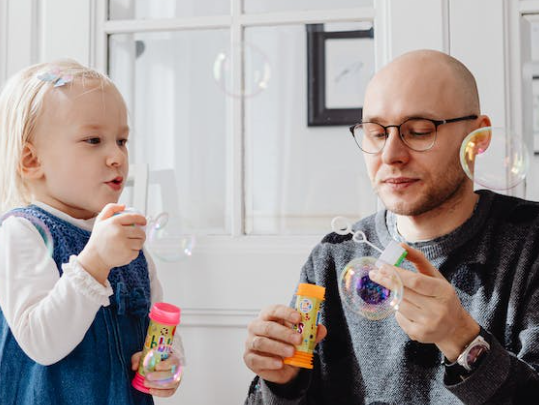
270, 339
430, 311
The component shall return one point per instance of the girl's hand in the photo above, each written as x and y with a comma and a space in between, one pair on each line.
157, 381
116, 240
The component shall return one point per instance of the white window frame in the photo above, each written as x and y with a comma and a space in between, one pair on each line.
517, 42
236, 22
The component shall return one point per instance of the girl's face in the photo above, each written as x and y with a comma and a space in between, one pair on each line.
80, 148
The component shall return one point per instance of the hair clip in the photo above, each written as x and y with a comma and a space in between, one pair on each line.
54, 76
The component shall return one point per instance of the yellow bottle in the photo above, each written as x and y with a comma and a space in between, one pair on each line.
308, 300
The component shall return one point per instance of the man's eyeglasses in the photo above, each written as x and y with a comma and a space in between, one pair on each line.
418, 134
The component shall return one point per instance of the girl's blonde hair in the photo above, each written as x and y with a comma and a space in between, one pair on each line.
21, 102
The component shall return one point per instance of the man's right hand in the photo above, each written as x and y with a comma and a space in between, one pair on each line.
270, 339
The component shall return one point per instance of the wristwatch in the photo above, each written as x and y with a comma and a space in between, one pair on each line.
475, 351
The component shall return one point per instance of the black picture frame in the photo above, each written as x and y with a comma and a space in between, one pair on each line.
318, 114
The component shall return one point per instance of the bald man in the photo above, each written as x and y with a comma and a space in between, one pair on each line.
467, 330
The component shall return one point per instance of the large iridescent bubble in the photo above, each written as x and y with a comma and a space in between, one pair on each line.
358, 292
365, 297
40, 226
495, 158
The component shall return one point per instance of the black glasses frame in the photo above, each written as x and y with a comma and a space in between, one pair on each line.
436, 123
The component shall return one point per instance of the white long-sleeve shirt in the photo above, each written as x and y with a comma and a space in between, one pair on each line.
48, 314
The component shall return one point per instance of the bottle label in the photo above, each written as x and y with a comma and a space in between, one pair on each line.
308, 308
159, 339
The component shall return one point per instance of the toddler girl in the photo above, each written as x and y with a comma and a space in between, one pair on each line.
71, 325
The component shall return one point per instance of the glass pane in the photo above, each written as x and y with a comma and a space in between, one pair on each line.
261, 6
146, 9
178, 120
532, 182
299, 177
535, 89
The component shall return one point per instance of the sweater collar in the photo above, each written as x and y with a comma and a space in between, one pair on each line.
442, 246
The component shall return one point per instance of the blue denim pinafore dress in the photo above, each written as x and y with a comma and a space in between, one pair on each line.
98, 370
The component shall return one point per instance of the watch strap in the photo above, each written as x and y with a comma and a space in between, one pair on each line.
454, 370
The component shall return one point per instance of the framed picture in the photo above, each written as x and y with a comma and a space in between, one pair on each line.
339, 65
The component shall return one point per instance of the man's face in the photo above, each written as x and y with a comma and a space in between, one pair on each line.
409, 182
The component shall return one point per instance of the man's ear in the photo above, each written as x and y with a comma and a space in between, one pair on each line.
29, 164
484, 121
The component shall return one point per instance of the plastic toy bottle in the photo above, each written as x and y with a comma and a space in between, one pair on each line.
308, 300
163, 321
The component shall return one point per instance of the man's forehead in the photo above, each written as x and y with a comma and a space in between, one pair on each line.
392, 118
396, 101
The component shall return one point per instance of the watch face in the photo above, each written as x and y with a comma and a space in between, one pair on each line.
475, 353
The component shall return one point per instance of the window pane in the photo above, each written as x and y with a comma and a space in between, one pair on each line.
178, 120
146, 9
261, 6
532, 181
535, 89
298, 177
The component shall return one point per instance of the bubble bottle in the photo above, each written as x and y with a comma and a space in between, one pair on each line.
308, 300
163, 321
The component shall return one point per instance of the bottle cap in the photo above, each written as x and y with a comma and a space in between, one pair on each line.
300, 359
311, 290
393, 254
138, 383
166, 314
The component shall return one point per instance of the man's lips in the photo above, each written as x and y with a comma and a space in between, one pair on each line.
399, 182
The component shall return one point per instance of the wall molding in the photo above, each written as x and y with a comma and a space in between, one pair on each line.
217, 317
255, 244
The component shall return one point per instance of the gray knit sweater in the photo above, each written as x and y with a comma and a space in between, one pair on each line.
493, 262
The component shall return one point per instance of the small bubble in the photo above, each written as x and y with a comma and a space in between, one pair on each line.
494, 158
257, 71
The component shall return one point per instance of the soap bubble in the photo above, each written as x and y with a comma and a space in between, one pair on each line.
161, 377
173, 354
165, 239
365, 297
256, 71
358, 292
38, 224
494, 158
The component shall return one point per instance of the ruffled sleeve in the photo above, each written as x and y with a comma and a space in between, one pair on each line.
86, 284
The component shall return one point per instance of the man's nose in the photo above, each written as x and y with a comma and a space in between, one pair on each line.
394, 150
